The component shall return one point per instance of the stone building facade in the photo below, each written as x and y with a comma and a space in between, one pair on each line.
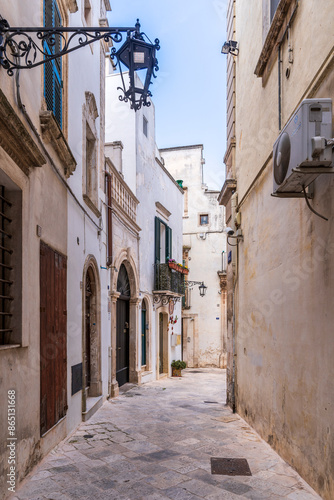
279, 276
204, 253
54, 304
132, 153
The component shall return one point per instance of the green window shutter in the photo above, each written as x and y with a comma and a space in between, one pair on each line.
168, 243
157, 240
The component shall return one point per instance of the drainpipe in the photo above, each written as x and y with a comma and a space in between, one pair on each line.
279, 88
235, 260
233, 344
109, 219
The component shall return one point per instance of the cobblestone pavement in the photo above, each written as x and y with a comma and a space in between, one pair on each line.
155, 442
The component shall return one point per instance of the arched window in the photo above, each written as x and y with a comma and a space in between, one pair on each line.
123, 284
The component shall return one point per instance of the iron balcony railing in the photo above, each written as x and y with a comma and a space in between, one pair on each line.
167, 279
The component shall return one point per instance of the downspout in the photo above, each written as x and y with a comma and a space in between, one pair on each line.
233, 339
279, 88
109, 220
235, 261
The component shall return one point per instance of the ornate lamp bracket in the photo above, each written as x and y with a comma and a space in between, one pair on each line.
165, 298
22, 48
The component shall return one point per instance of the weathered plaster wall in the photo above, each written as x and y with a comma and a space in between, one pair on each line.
86, 239
205, 323
44, 203
285, 274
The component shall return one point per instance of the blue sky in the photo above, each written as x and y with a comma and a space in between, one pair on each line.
189, 91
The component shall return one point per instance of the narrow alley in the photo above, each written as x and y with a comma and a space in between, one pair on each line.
156, 441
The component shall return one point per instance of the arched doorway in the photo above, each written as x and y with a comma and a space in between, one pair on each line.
143, 334
89, 313
122, 327
91, 340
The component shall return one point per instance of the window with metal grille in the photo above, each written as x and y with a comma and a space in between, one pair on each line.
53, 70
10, 262
6, 278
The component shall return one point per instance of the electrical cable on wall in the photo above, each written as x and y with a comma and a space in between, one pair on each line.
311, 208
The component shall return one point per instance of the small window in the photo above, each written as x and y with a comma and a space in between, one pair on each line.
90, 163
145, 123
273, 7
204, 219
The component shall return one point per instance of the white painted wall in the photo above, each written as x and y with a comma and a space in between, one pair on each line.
206, 244
151, 183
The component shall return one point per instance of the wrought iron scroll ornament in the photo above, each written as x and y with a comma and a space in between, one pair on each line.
20, 48
165, 299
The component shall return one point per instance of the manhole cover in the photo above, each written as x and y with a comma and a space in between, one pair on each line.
88, 436
230, 467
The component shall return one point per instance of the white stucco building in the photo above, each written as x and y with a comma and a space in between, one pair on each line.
52, 186
204, 252
155, 341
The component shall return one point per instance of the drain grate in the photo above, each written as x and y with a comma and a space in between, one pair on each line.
230, 467
88, 436
211, 402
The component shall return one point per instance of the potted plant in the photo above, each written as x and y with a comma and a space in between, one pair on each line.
177, 366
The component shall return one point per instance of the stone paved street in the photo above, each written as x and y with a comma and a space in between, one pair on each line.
155, 442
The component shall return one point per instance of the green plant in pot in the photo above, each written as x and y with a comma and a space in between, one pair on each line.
177, 366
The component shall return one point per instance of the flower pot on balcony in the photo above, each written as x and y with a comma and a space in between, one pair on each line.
185, 271
173, 265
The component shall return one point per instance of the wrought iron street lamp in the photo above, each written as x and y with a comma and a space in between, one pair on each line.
20, 48
202, 287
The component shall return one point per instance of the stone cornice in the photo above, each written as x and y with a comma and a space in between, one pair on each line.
225, 194
16, 140
52, 133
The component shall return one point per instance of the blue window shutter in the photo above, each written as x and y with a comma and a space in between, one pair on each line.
53, 69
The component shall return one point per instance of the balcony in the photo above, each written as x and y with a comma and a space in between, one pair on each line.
168, 284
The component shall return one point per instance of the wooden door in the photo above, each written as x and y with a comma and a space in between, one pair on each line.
122, 341
161, 342
87, 360
53, 349
143, 334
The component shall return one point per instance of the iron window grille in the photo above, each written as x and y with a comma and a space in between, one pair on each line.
6, 282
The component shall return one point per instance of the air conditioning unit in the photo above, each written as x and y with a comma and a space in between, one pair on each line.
301, 152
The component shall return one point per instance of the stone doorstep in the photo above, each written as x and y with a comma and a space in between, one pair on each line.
92, 405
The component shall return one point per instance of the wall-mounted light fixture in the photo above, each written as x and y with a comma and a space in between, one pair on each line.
230, 47
19, 48
202, 288
230, 234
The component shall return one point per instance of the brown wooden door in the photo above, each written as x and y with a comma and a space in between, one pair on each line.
53, 329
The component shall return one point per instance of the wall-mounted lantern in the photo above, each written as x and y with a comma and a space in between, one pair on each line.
20, 48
